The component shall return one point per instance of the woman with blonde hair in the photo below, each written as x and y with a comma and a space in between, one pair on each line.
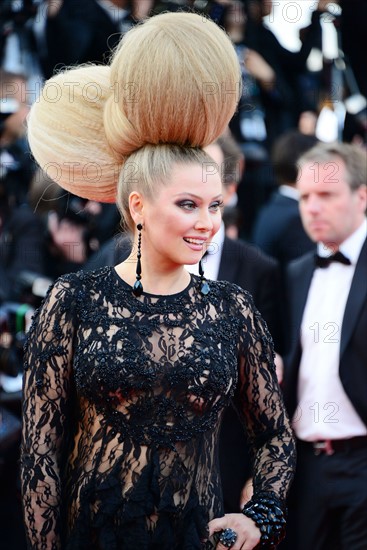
128, 369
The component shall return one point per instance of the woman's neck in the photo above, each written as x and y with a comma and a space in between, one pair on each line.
160, 281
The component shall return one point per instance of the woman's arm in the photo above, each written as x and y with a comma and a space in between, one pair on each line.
46, 403
259, 402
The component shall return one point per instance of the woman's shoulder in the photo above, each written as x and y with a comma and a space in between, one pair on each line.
231, 292
82, 277
80, 282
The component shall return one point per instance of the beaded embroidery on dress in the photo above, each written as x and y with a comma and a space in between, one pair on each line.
124, 397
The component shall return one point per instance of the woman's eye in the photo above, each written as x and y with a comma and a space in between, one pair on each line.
190, 205
216, 206
187, 205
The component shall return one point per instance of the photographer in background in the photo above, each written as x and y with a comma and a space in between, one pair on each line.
20, 237
21, 232
44, 235
70, 32
16, 165
18, 50
71, 235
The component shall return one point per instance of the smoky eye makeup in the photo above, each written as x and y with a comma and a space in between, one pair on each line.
189, 204
186, 204
217, 205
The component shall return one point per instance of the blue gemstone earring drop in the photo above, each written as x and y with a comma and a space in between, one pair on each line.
138, 287
204, 286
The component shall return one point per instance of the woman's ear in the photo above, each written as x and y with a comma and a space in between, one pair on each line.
136, 206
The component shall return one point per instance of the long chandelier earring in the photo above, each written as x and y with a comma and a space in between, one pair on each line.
204, 286
138, 287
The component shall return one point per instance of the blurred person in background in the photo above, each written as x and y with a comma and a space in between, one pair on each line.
21, 233
279, 93
21, 245
325, 375
18, 49
353, 34
250, 123
298, 84
278, 228
73, 228
352, 25
17, 166
71, 32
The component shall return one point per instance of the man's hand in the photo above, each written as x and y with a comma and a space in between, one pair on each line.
67, 238
260, 69
322, 5
53, 7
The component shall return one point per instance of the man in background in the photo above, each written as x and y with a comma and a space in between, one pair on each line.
278, 229
325, 377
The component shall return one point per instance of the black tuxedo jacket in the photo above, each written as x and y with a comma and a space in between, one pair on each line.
353, 343
247, 266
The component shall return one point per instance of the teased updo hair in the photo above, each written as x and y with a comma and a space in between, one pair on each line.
174, 79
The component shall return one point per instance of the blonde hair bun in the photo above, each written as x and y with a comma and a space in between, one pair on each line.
173, 79
66, 133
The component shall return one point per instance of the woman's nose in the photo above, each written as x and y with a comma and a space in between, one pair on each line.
204, 221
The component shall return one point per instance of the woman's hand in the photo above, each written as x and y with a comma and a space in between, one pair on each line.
246, 493
248, 535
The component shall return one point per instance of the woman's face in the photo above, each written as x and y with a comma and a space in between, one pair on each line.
184, 215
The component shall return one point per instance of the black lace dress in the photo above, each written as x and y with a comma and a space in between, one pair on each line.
123, 398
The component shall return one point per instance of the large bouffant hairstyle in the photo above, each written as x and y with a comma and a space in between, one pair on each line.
173, 79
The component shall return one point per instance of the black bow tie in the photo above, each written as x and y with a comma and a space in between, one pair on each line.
325, 261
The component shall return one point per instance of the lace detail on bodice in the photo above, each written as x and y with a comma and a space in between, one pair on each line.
123, 398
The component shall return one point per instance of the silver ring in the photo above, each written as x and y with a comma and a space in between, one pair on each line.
228, 537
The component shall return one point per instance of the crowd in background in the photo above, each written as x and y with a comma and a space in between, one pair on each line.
45, 232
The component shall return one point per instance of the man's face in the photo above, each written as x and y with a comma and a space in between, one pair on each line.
330, 210
15, 124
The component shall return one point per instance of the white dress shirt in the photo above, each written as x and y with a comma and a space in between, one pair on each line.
324, 409
289, 191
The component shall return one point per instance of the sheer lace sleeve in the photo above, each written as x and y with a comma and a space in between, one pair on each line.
46, 398
260, 404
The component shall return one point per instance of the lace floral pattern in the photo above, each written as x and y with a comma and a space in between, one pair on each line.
123, 398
